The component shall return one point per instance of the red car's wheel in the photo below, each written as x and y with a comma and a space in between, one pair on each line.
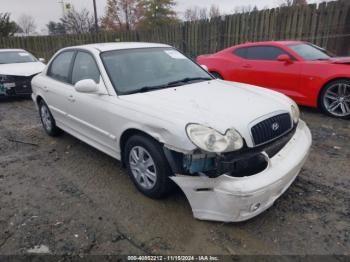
335, 99
217, 75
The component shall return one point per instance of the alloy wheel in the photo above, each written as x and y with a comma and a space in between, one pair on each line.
337, 99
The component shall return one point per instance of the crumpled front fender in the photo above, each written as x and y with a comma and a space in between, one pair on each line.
233, 199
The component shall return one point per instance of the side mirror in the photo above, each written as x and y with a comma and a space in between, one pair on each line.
86, 86
205, 68
42, 60
285, 59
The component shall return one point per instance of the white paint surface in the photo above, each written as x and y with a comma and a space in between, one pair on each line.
40, 249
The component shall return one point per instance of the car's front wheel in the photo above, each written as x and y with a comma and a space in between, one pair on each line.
47, 120
335, 99
147, 166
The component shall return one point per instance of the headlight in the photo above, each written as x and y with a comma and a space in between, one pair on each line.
211, 140
295, 113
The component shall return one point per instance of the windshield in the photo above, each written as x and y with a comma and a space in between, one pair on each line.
146, 69
11, 57
310, 52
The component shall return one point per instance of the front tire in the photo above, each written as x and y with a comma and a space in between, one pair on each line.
335, 99
47, 120
148, 167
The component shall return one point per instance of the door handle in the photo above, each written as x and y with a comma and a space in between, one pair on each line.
71, 98
247, 66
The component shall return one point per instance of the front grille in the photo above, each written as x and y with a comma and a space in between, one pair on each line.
23, 84
271, 128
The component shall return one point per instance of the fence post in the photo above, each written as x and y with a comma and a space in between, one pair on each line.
343, 46
183, 38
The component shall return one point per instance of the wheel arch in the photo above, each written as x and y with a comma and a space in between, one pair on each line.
129, 133
38, 99
324, 85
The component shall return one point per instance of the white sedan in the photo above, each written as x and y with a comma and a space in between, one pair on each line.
232, 148
17, 68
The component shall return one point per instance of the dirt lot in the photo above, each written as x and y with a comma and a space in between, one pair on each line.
70, 198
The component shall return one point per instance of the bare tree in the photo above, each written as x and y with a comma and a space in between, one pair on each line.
203, 13
120, 15
27, 24
7, 27
214, 11
244, 9
200, 13
78, 22
196, 13
284, 3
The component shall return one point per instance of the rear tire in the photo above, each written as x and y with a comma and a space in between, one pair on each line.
148, 167
217, 75
335, 99
47, 120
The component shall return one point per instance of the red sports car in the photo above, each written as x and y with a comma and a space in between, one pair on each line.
307, 73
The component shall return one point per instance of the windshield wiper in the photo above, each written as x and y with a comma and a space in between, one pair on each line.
145, 89
187, 80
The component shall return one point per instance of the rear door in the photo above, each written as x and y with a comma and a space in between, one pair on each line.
57, 86
263, 69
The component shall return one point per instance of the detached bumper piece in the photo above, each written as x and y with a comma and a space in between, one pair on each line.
16, 86
232, 197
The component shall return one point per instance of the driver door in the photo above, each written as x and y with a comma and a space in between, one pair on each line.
263, 69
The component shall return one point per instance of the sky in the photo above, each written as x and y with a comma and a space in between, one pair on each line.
51, 10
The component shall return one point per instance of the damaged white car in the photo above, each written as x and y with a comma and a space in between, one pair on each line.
17, 68
232, 148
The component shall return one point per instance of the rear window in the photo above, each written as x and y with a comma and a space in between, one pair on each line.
60, 67
241, 52
269, 53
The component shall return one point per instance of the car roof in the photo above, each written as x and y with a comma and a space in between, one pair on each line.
102, 47
271, 43
11, 49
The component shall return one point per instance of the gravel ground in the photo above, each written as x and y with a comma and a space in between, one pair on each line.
61, 196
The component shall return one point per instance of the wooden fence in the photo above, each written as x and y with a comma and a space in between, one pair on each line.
326, 24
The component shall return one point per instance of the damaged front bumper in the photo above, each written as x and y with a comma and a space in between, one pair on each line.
16, 86
231, 199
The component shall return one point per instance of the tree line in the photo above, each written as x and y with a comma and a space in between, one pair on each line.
121, 15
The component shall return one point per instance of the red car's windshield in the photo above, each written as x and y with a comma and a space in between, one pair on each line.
310, 52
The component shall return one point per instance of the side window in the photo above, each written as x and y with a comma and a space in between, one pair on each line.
60, 66
269, 53
85, 68
241, 52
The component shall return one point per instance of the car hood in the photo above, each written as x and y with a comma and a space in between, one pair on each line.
22, 69
217, 104
340, 60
